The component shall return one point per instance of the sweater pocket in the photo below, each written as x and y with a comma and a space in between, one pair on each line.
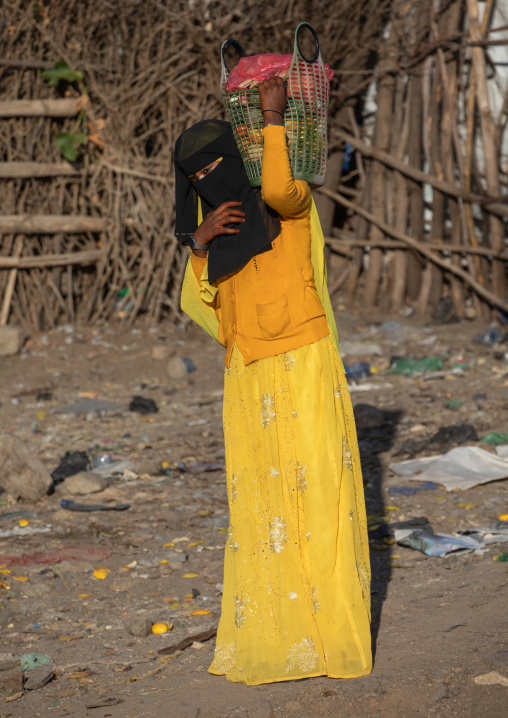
273, 318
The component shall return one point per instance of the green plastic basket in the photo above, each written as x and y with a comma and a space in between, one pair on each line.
305, 117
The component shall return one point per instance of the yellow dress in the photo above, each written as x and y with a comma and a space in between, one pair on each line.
296, 599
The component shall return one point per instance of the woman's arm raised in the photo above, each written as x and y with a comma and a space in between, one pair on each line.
291, 199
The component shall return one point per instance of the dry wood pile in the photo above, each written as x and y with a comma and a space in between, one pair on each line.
93, 239
431, 167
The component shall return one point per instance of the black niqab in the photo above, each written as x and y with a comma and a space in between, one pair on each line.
196, 148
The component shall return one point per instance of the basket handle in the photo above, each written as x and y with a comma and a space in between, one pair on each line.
308, 26
237, 47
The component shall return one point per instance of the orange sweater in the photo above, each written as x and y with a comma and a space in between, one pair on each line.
271, 305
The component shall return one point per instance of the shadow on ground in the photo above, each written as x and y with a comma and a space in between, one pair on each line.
375, 440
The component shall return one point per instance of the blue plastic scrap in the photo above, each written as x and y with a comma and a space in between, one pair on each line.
358, 370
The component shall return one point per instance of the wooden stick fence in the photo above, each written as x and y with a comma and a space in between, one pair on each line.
414, 205
432, 171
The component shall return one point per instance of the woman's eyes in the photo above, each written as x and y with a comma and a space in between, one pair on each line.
199, 175
206, 170
203, 173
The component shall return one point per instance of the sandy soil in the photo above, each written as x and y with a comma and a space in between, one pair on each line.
437, 623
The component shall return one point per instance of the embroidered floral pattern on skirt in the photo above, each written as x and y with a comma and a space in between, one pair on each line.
296, 598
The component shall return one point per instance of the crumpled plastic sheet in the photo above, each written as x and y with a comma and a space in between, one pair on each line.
30, 661
460, 468
435, 544
502, 451
440, 545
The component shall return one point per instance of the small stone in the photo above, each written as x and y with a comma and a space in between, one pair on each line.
417, 428
491, 679
39, 677
23, 476
139, 626
179, 367
11, 682
11, 340
7, 661
368, 417
162, 352
83, 484
73, 567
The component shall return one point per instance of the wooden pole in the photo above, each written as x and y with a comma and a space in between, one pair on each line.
29, 170
489, 142
11, 282
450, 22
348, 239
325, 206
26, 64
490, 204
481, 267
66, 107
382, 133
49, 224
43, 65
400, 203
51, 260
432, 92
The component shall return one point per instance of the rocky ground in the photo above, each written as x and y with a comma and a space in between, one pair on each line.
99, 578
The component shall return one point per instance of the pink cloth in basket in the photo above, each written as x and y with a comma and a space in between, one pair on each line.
256, 68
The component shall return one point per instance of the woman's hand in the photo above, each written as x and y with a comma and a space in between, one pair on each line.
272, 93
213, 224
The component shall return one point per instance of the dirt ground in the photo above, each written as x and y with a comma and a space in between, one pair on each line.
438, 623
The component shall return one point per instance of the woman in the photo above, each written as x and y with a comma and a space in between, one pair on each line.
296, 598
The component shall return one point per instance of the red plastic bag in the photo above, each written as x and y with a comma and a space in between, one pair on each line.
254, 69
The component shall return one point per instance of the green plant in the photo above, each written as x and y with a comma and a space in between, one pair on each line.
62, 72
70, 144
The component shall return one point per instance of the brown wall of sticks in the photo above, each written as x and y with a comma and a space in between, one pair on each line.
418, 211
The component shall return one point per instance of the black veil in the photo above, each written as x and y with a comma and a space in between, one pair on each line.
196, 148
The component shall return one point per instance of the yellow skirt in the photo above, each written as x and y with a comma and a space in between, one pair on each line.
296, 599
